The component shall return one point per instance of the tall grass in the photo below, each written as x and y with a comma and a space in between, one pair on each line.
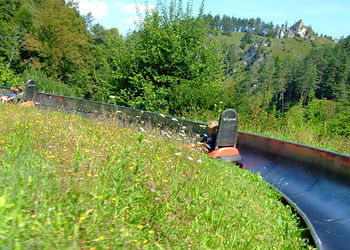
69, 182
48, 84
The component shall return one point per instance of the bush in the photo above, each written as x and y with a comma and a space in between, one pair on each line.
7, 76
172, 65
328, 118
47, 84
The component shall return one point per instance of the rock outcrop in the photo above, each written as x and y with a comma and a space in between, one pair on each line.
255, 53
296, 30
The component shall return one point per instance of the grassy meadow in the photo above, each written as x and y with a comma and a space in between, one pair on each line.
281, 47
71, 182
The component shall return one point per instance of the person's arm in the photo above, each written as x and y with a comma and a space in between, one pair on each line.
203, 139
10, 98
200, 144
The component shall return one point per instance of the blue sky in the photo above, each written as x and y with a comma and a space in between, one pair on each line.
331, 17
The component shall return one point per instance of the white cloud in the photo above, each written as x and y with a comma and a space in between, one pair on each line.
132, 20
97, 8
133, 8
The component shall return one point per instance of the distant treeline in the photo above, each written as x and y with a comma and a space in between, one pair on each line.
323, 74
234, 24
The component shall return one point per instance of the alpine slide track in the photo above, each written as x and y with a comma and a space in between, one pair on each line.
315, 182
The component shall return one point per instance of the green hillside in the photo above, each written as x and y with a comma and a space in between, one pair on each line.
71, 183
296, 47
282, 47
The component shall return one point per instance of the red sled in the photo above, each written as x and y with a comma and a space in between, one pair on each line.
27, 104
225, 145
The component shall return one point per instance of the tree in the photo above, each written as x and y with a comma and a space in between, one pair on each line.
111, 62
226, 23
280, 83
59, 44
307, 80
247, 39
230, 59
15, 22
172, 64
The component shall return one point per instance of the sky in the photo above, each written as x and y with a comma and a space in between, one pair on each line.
328, 17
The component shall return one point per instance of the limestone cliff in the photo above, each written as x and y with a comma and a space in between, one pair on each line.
296, 30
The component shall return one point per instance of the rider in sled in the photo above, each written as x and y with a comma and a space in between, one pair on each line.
221, 143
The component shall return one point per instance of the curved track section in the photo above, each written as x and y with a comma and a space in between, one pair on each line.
314, 181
